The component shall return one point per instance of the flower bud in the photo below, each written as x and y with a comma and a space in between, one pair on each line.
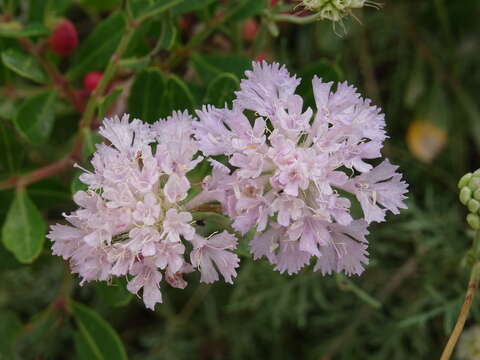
64, 38
473, 205
91, 80
473, 221
474, 183
465, 195
464, 180
476, 194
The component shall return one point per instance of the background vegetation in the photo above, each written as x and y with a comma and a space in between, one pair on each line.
418, 60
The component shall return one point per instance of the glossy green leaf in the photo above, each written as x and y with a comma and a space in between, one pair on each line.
82, 348
178, 96
24, 65
14, 29
97, 335
36, 117
221, 90
146, 9
95, 52
23, 232
11, 150
146, 99
115, 293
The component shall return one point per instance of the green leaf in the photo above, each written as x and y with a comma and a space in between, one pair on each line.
116, 293
168, 34
208, 67
24, 230
146, 9
177, 96
221, 90
11, 150
14, 29
135, 63
36, 116
82, 349
107, 101
10, 328
24, 65
97, 335
245, 9
190, 5
146, 100
94, 53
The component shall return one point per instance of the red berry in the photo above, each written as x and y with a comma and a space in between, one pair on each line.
91, 80
64, 38
249, 29
273, 3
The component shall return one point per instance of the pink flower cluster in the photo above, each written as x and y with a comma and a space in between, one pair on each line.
131, 221
295, 173
291, 175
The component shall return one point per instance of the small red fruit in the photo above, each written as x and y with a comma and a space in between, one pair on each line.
249, 29
64, 38
273, 3
91, 80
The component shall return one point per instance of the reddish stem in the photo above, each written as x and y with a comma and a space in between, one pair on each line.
58, 79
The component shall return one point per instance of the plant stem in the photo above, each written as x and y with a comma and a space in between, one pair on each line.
300, 20
467, 303
58, 79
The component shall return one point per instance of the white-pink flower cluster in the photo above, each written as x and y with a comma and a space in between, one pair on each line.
131, 221
295, 172
291, 174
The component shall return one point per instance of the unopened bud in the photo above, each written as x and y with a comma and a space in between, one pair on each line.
465, 195
64, 38
91, 80
473, 221
473, 205
474, 183
464, 180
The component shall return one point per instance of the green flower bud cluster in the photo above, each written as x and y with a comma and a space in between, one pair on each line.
335, 10
469, 186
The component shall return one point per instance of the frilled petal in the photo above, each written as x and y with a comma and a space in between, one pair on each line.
266, 87
214, 255
347, 250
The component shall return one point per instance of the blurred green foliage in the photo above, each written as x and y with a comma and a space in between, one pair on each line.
418, 60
